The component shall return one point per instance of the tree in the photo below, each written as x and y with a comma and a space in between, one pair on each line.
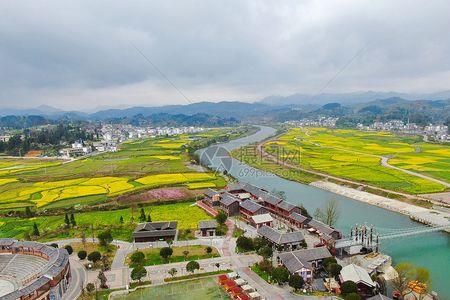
221, 218
348, 287
280, 275
244, 243
142, 217
94, 256
334, 269
218, 266
172, 271
82, 254
72, 220
137, 258
90, 287
259, 242
266, 252
28, 212
138, 273
208, 250
69, 249
101, 276
66, 220
105, 263
121, 220
296, 281
165, 252
266, 266
35, 229
83, 239
105, 238
185, 253
330, 215
192, 266
405, 273
352, 296
328, 261
149, 218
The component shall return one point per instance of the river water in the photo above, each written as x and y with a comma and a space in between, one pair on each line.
431, 251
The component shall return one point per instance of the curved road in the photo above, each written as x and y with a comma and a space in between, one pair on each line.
385, 163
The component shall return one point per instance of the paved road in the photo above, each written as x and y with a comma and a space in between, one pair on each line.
385, 163
77, 281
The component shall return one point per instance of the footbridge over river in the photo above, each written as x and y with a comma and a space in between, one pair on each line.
371, 237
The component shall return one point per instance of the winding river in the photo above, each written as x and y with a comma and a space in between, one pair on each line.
431, 251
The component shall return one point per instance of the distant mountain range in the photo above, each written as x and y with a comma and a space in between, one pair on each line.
351, 107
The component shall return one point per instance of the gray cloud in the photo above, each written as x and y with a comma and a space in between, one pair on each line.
78, 54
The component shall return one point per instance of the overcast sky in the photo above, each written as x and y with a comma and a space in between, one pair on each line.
80, 54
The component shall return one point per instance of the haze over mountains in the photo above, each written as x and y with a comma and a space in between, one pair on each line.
357, 107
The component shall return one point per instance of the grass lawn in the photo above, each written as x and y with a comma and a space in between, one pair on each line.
109, 252
255, 268
52, 227
356, 155
196, 252
202, 288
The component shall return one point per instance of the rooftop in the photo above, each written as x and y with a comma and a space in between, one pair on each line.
295, 260
356, 274
263, 218
207, 224
251, 206
278, 237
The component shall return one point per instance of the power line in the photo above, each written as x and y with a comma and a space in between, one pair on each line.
161, 73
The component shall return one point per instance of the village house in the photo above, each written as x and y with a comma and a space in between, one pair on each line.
365, 285
155, 231
298, 220
208, 227
271, 202
260, 220
212, 197
325, 232
304, 262
249, 208
284, 209
229, 204
280, 240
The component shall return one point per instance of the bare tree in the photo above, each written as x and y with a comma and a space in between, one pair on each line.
330, 215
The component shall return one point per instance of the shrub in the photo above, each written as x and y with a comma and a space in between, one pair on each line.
90, 287
244, 243
82, 254
69, 249
266, 266
165, 252
280, 275
137, 258
221, 218
54, 245
94, 256
352, 296
266, 252
328, 261
334, 269
192, 266
296, 281
348, 287
138, 273
105, 238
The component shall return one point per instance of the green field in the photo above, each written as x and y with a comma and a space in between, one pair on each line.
196, 252
356, 155
204, 288
147, 164
52, 227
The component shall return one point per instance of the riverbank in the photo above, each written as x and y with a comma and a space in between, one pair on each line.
424, 215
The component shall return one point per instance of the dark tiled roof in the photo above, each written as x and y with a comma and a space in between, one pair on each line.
298, 217
210, 192
207, 224
228, 199
286, 205
252, 206
278, 237
254, 190
272, 199
295, 260
156, 226
7, 242
323, 228
235, 187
